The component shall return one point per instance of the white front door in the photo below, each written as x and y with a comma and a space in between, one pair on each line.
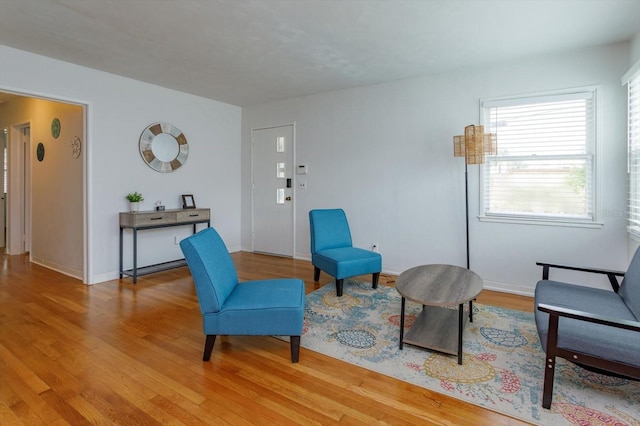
272, 159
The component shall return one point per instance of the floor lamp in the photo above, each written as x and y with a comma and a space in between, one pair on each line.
473, 146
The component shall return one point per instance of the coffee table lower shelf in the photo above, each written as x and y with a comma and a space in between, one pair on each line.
433, 330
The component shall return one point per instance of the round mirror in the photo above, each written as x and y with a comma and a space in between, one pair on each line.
163, 147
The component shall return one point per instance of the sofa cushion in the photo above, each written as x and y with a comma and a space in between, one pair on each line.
630, 287
589, 338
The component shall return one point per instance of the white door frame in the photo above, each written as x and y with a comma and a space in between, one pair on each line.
4, 134
18, 190
293, 184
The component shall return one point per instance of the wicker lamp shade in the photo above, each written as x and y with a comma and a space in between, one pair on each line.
475, 144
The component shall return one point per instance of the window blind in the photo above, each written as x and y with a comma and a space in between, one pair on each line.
544, 168
633, 89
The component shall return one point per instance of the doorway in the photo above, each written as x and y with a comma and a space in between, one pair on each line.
18, 199
45, 202
272, 162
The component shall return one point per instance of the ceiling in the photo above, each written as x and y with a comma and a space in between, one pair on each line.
247, 52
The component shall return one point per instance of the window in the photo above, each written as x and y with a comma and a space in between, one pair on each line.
545, 166
633, 166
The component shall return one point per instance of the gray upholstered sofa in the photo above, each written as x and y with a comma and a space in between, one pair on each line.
596, 328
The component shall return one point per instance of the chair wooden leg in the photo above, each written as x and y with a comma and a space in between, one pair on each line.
550, 361
339, 284
208, 347
316, 273
295, 348
376, 277
547, 390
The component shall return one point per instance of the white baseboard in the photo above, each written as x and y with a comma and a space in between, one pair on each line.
74, 273
101, 278
488, 285
509, 288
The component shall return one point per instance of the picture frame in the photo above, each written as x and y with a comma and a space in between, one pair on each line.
188, 202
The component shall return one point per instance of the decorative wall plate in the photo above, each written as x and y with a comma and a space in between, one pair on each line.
55, 128
163, 147
40, 151
76, 147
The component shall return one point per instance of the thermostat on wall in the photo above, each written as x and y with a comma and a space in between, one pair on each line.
302, 169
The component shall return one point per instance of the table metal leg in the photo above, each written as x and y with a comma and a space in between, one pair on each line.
402, 323
460, 328
121, 247
470, 310
135, 256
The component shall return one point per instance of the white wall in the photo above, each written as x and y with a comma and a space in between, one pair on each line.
384, 153
118, 109
635, 48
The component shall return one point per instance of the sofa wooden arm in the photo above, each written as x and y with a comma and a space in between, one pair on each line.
611, 274
585, 316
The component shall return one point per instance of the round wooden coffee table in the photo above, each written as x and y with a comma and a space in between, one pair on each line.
435, 287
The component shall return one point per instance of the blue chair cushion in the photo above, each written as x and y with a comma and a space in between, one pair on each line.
329, 229
264, 307
347, 262
212, 268
593, 339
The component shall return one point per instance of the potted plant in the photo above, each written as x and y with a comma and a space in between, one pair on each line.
134, 201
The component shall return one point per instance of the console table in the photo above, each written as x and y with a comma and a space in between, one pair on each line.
138, 221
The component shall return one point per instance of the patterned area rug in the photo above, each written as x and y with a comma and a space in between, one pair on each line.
503, 360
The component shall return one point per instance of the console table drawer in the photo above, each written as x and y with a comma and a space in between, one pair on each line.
194, 214
134, 220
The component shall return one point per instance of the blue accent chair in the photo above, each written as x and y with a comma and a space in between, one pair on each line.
332, 250
255, 308
598, 329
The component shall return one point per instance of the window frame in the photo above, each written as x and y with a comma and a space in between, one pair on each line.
537, 219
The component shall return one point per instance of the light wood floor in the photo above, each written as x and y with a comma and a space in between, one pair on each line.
118, 353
